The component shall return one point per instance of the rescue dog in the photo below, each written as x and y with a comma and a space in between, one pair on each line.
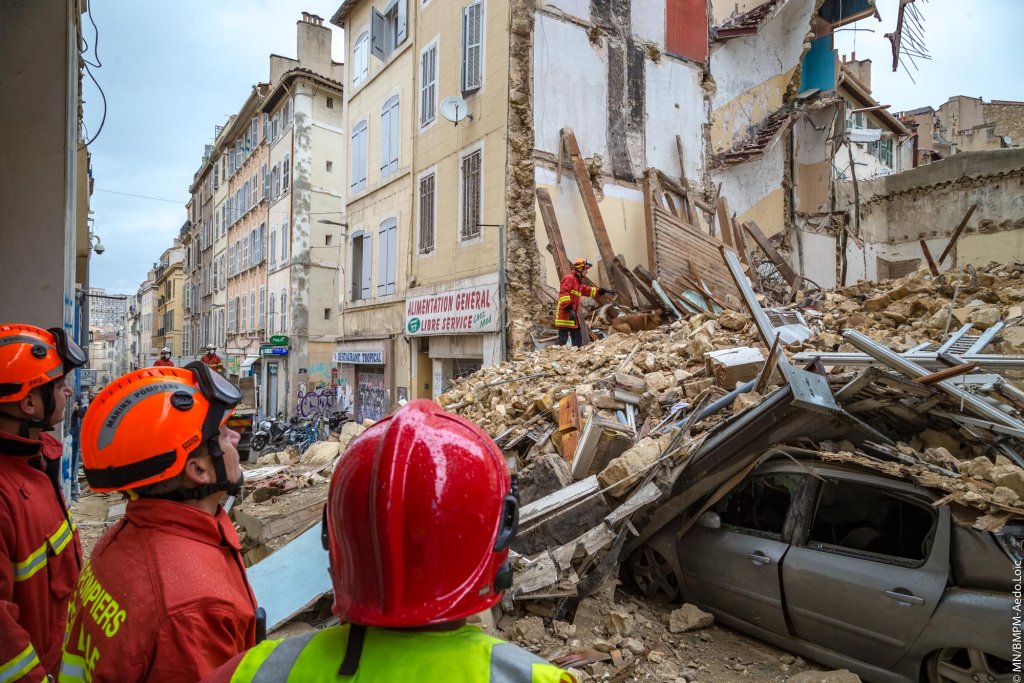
630, 323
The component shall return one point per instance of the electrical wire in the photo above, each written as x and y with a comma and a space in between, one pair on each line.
140, 196
95, 43
103, 95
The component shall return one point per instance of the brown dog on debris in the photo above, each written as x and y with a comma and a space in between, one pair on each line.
637, 322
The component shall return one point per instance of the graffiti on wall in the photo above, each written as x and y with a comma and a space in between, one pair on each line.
313, 401
373, 399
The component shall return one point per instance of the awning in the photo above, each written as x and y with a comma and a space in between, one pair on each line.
249, 360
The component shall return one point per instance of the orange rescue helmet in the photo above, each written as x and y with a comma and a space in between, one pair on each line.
31, 356
581, 264
419, 517
141, 428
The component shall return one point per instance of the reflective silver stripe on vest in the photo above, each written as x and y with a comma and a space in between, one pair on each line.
512, 664
279, 663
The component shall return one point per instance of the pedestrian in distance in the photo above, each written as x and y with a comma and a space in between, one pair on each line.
40, 555
420, 514
572, 288
164, 596
164, 361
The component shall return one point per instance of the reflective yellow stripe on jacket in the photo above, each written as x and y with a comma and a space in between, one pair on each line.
36, 560
22, 663
465, 655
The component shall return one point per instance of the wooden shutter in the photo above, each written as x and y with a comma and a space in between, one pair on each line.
472, 47
377, 34
402, 22
367, 267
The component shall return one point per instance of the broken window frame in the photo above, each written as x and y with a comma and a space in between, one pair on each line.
785, 532
802, 535
472, 47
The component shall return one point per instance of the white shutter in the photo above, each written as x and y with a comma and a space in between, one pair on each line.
428, 85
472, 47
402, 22
392, 256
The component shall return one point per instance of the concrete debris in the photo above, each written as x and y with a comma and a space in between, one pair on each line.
840, 676
687, 618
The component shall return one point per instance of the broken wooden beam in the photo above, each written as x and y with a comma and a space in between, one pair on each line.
568, 432
928, 257
597, 225
785, 270
682, 181
948, 373
956, 233
555, 244
724, 225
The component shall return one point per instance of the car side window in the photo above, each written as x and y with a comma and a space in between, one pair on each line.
864, 520
760, 504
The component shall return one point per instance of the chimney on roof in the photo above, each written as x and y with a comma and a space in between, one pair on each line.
861, 69
314, 44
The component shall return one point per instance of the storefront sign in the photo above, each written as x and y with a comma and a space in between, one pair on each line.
279, 340
359, 357
87, 378
462, 311
273, 350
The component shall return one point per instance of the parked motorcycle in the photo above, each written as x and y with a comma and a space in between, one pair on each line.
271, 433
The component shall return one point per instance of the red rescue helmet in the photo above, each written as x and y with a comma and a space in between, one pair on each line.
31, 356
142, 427
419, 518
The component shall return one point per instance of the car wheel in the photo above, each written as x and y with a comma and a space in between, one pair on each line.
967, 665
651, 574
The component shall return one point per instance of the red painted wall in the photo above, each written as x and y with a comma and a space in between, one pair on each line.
686, 30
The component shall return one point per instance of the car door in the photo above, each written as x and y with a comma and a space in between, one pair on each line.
866, 573
734, 569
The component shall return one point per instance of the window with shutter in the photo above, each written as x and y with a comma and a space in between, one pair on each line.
254, 131
263, 309
284, 242
287, 112
360, 59
286, 173
252, 310
428, 84
284, 312
265, 179
243, 318
377, 34
426, 240
389, 116
358, 152
272, 243
472, 47
387, 258
471, 191
275, 182
245, 253
271, 313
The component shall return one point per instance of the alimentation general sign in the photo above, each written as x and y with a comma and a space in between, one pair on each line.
462, 311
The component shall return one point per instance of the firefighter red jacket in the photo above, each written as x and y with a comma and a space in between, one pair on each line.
569, 293
164, 597
40, 557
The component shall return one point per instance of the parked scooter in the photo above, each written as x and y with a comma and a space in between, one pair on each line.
270, 434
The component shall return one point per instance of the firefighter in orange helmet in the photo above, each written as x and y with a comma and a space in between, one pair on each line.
164, 596
571, 290
40, 556
419, 517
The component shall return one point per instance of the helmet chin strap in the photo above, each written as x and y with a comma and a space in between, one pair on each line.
49, 407
221, 485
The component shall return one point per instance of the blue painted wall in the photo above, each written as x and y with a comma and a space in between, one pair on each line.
819, 66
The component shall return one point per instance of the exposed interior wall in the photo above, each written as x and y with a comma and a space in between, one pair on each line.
724, 10
928, 203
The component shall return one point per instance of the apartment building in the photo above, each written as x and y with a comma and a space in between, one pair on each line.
169, 308
245, 216
199, 265
303, 183
145, 301
219, 301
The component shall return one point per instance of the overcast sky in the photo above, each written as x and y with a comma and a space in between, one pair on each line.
173, 70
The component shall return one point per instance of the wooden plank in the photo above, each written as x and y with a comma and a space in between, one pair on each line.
686, 186
568, 422
270, 527
543, 507
724, 226
652, 253
640, 498
291, 578
643, 289
586, 188
773, 254
954, 371
956, 233
928, 257
555, 244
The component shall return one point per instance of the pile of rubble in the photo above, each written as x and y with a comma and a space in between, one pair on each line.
614, 440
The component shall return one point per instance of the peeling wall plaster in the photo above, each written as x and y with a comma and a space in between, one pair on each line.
570, 81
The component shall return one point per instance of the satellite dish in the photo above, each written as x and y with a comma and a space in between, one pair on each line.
455, 109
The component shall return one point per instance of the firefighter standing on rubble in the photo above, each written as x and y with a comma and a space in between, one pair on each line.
40, 556
569, 292
164, 596
419, 518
